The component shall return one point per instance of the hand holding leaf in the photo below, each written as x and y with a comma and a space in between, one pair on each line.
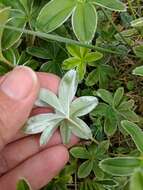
66, 112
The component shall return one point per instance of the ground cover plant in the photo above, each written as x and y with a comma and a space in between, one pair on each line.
100, 43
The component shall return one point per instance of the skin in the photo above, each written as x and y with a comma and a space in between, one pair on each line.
20, 155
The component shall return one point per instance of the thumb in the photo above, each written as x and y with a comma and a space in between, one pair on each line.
18, 92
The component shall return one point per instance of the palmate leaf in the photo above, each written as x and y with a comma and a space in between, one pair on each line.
66, 114
84, 21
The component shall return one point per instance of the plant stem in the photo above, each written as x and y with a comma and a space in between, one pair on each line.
131, 8
110, 20
95, 141
61, 39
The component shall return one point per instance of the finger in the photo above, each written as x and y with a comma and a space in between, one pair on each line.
46, 80
27, 147
18, 91
38, 170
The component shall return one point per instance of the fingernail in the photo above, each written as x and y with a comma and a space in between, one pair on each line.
19, 83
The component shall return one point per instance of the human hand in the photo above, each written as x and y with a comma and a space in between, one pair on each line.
21, 156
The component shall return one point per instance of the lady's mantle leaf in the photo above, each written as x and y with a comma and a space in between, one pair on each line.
54, 14
135, 132
67, 90
83, 105
84, 21
120, 166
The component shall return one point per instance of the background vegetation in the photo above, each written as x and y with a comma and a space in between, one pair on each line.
102, 40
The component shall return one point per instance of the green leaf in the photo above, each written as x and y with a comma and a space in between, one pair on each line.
138, 71
22, 185
4, 15
51, 99
118, 96
102, 148
54, 14
11, 37
92, 78
105, 95
94, 56
47, 133
81, 70
114, 5
83, 105
138, 50
136, 181
126, 105
137, 23
120, 166
80, 152
130, 115
74, 50
80, 129
67, 90
38, 52
70, 63
84, 21
65, 132
135, 132
85, 169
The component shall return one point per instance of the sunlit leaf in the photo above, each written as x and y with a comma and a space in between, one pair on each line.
84, 21
135, 132
54, 14
120, 166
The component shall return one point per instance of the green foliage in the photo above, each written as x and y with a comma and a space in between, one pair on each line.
84, 16
113, 110
102, 41
80, 58
92, 155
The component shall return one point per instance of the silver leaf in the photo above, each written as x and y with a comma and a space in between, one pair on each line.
67, 89
83, 105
